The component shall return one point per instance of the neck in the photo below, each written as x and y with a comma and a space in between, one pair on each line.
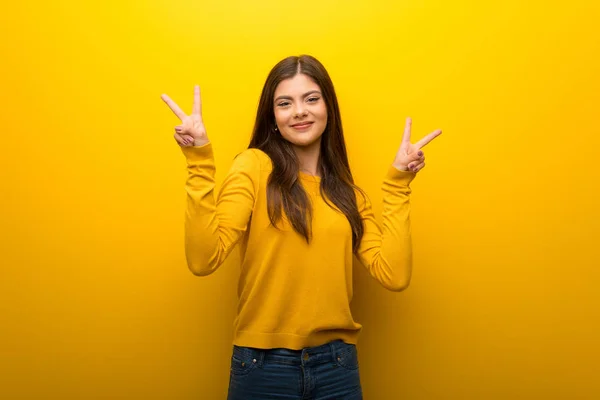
308, 157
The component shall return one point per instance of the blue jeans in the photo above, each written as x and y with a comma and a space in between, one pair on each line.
327, 372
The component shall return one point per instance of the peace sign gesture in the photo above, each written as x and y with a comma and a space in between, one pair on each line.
410, 156
191, 132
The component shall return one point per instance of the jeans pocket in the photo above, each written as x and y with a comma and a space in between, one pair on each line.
347, 357
243, 360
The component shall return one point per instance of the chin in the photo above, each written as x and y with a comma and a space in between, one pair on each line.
303, 142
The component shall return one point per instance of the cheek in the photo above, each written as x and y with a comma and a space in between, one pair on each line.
281, 117
323, 113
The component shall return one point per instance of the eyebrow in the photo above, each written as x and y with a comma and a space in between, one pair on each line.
304, 95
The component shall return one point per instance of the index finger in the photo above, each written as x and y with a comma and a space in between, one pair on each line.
197, 109
421, 143
407, 127
174, 107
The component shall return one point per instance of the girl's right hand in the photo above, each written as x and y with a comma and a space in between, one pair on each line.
191, 132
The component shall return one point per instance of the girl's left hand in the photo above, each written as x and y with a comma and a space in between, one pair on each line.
410, 157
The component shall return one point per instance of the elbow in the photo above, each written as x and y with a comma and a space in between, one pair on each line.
398, 285
201, 263
205, 253
200, 268
399, 279
200, 271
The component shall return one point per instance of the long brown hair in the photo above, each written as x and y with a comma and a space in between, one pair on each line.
283, 188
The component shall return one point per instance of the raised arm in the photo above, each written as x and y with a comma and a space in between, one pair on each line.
212, 226
386, 251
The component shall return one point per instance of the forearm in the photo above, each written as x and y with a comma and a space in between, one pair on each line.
214, 224
201, 231
386, 250
396, 244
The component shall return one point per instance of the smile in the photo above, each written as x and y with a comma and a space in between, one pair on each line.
302, 126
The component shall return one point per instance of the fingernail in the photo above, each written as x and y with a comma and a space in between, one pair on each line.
420, 153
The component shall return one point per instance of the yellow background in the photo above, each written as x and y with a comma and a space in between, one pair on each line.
96, 299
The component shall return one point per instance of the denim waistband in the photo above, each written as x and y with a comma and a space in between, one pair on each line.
325, 353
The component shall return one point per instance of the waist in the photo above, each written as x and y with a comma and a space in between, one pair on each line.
326, 353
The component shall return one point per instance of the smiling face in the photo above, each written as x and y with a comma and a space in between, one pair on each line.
300, 111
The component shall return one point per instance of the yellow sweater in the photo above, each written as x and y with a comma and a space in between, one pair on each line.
291, 294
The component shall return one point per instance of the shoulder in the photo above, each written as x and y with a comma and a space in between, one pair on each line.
254, 157
247, 158
252, 161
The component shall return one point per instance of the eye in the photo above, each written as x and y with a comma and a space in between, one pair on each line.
313, 99
283, 104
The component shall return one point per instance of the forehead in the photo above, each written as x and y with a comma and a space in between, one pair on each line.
295, 86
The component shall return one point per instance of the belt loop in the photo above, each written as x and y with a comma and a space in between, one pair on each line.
260, 358
333, 351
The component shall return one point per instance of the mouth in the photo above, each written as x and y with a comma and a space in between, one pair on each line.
302, 125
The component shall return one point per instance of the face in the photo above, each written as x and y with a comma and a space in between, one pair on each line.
300, 111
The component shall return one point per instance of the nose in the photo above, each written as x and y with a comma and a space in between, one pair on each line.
300, 110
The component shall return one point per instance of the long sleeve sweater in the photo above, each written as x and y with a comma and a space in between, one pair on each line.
291, 293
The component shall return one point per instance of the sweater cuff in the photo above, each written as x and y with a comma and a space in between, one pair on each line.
198, 153
401, 177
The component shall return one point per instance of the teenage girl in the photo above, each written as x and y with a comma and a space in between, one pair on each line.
291, 204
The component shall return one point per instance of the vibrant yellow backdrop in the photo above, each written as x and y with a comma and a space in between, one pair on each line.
96, 299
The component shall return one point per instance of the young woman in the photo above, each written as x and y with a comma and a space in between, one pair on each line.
290, 202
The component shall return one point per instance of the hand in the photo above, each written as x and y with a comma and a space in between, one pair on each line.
410, 157
191, 132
